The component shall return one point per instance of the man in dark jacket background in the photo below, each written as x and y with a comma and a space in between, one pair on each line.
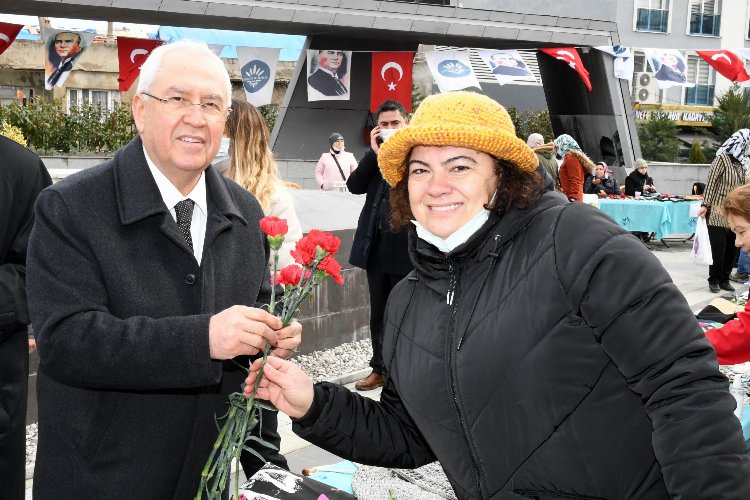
146, 277
381, 252
22, 177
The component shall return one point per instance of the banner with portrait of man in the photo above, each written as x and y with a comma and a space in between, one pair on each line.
328, 75
61, 52
669, 67
506, 65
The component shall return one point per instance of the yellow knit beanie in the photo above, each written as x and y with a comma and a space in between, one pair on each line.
464, 119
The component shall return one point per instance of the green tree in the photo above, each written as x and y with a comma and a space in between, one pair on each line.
531, 121
733, 112
696, 153
658, 138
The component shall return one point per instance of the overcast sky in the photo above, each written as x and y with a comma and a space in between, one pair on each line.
77, 24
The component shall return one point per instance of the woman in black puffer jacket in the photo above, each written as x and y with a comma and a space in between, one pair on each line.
521, 353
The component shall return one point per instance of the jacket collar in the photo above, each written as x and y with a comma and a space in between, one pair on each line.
138, 196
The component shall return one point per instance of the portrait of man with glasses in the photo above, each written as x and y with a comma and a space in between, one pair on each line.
146, 275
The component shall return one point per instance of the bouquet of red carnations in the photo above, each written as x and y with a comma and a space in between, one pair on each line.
314, 255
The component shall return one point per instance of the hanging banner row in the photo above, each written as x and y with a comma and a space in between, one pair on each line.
329, 71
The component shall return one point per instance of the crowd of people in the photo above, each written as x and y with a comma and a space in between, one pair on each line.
507, 343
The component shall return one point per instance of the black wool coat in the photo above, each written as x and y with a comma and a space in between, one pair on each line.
376, 245
127, 390
23, 176
530, 364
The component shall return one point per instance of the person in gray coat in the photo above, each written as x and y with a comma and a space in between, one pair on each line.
145, 279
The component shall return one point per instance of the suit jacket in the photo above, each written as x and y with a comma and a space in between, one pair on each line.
127, 390
326, 84
22, 177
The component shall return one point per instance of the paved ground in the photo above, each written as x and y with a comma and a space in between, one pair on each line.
690, 279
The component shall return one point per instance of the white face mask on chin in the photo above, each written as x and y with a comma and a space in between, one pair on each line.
460, 236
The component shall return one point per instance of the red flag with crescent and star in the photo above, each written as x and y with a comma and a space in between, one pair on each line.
727, 63
570, 56
8, 33
132, 53
391, 78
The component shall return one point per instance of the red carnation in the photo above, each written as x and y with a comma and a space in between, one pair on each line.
326, 241
304, 251
332, 268
273, 226
289, 275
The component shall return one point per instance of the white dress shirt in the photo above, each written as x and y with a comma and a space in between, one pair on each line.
171, 196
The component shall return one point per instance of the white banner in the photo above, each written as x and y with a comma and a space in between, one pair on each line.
451, 69
669, 67
506, 65
258, 71
62, 50
624, 60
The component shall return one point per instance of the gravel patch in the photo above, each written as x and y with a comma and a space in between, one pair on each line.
330, 364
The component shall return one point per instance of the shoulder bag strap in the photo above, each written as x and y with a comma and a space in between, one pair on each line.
337, 164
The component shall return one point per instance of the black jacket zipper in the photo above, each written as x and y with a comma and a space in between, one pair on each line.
454, 298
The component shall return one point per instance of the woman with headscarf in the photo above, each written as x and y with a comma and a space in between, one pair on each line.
600, 183
502, 360
574, 168
728, 171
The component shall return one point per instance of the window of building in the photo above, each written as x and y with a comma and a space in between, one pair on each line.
652, 15
704, 77
20, 95
102, 98
705, 17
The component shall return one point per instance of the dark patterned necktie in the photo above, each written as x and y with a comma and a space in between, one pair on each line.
184, 211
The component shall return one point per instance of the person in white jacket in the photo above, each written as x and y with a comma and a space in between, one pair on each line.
336, 165
252, 166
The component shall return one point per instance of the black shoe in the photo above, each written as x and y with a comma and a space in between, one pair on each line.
724, 285
714, 287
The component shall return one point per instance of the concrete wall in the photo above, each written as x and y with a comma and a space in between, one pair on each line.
675, 178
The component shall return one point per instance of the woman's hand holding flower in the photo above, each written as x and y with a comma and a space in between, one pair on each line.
289, 339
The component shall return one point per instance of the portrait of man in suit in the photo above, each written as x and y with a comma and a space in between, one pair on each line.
328, 74
505, 64
668, 66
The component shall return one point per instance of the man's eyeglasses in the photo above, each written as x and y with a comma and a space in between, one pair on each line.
177, 105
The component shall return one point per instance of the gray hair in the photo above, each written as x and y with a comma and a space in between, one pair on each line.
153, 65
640, 163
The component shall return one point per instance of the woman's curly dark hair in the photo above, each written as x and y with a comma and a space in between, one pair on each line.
516, 188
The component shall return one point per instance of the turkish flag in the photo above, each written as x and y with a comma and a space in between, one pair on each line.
391, 78
571, 57
725, 62
8, 33
132, 53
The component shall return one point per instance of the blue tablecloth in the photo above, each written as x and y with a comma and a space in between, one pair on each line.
659, 217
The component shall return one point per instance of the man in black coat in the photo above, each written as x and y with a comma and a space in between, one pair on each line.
381, 252
22, 177
146, 277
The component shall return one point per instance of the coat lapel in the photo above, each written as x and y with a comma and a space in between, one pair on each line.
138, 197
